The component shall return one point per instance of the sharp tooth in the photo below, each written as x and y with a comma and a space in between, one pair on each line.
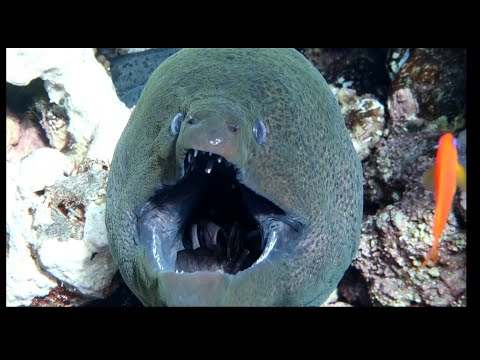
195, 242
209, 153
190, 167
195, 153
208, 170
219, 159
213, 239
189, 157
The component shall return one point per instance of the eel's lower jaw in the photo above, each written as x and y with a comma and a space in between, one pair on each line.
210, 222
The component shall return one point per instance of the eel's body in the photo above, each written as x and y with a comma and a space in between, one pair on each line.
235, 182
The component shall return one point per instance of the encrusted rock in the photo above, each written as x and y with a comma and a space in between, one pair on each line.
361, 69
396, 58
395, 242
42, 168
54, 122
73, 246
364, 117
403, 108
23, 137
436, 78
68, 75
57, 253
24, 279
56, 234
333, 301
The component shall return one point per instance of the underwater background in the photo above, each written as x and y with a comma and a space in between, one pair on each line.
64, 116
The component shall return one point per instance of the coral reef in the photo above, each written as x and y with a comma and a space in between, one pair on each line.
394, 243
23, 137
436, 78
360, 69
64, 117
424, 99
56, 237
364, 117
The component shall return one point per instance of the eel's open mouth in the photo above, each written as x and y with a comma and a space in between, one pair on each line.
210, 221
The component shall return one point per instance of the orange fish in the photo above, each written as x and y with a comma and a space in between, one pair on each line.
443, 178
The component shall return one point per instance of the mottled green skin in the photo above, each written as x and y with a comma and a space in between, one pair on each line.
307, 166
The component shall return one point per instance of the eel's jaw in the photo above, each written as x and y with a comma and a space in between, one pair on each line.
209, 221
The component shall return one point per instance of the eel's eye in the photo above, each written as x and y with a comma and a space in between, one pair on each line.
176, 124
259, 131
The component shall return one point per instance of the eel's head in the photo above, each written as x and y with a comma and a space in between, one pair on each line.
234, 182
210, 232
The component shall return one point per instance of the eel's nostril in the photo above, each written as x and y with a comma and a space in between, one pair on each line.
233, 128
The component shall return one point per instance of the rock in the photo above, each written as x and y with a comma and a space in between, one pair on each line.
353, 288
119, 295
78, 263
463, 205
54, 122
42, 168
95, 232
436, 78
62, 235
462, 148
68, 75
24, 280
84, 118
397, 232
403, 107
331, 299
364, 117
73, 246
399, 152
360, 69
60, 296
462, 159
58, 237
124, 51
57, 252
23, 137
396, 58
395, 242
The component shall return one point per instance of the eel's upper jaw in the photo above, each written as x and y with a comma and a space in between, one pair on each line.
189, 161
210, 221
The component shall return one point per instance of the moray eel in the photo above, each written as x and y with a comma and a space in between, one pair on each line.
234, 183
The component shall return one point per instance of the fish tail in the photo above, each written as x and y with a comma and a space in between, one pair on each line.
432, 254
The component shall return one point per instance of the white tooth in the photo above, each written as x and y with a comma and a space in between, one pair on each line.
208, 170
219, 159
181, 272
189, 157
213, 239
195, 153
209, 154
195, 242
